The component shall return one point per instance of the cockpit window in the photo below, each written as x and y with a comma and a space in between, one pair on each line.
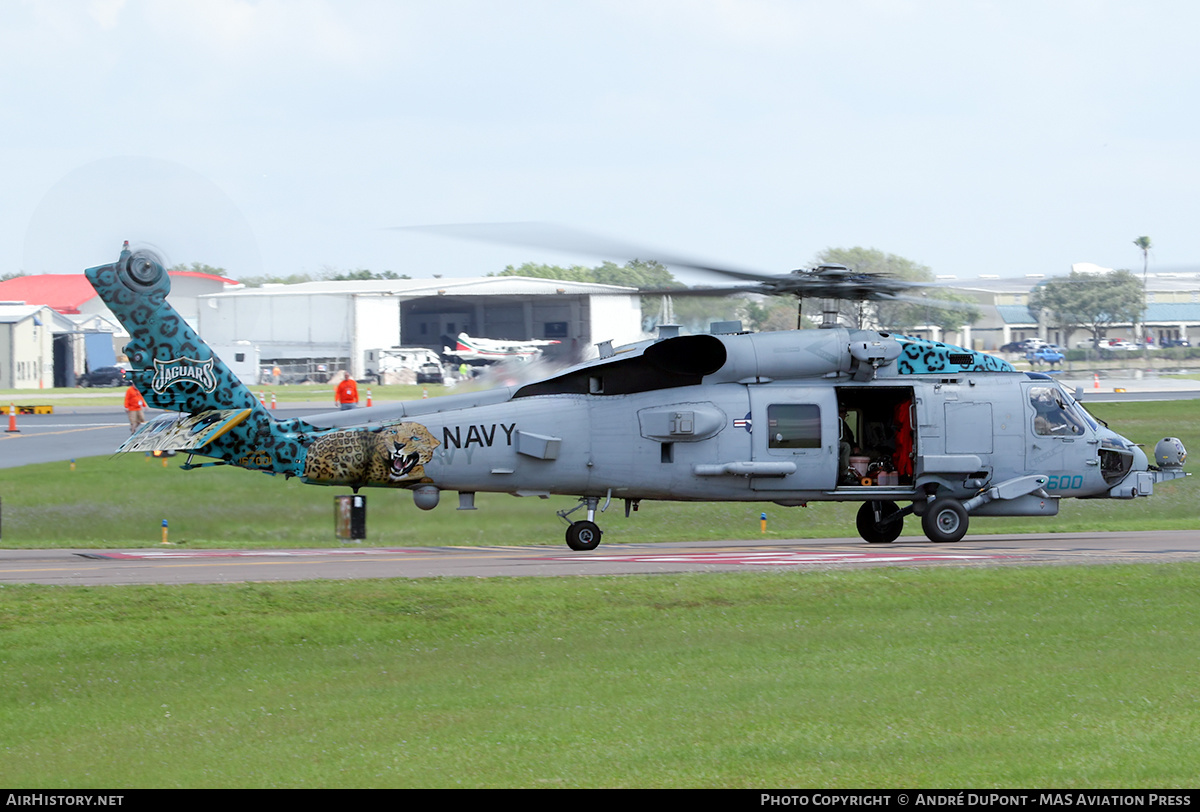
794, 425
1078, 408
1054, 413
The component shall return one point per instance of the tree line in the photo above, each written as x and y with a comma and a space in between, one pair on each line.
326, 274
1092, 302
1080, 301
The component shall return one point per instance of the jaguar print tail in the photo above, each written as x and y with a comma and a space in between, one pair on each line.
175, 370
172, 366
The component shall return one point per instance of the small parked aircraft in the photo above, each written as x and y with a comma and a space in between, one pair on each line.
488, 350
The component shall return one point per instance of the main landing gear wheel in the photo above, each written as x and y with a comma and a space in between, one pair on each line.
583, 535
882, 531
945, 520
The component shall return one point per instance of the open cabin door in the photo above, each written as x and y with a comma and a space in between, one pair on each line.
796, 428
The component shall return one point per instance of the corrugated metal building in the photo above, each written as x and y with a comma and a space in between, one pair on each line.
344, 321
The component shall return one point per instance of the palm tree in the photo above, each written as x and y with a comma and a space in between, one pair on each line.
1144, 244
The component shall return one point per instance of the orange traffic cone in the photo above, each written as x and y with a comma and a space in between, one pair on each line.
272, 400
1095, 380
262, 399
424, 393
368, 398
12, 418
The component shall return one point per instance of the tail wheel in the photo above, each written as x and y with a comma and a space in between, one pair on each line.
881, 531
945, 520
583, 535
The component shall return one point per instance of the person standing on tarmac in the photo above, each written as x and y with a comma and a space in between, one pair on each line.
135, 408
346, 394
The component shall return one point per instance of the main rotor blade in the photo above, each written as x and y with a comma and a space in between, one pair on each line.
571, 240
700, 292
823, 282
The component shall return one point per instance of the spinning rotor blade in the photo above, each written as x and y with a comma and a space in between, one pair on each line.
712, 293
570, 240
822, 282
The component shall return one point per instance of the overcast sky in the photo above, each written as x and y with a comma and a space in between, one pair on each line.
287, 136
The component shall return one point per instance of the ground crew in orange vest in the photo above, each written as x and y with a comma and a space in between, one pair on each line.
346, 394
135, 408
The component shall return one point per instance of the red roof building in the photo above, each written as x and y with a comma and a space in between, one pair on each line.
71, 294
62, 292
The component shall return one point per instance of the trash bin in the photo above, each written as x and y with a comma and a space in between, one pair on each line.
350, 517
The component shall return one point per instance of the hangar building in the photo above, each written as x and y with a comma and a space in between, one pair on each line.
339, 324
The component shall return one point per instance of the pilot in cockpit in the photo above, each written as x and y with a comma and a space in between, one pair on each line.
1052, 417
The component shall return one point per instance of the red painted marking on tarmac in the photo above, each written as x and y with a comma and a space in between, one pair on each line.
779, 559
767, 558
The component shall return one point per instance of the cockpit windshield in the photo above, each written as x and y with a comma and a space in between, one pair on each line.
1075, 405
1056, 414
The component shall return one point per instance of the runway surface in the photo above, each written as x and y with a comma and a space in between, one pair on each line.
177, 565
75, 432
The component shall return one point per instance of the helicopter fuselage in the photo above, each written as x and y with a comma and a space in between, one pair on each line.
789, 417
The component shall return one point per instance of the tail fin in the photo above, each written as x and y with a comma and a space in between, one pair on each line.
173, 367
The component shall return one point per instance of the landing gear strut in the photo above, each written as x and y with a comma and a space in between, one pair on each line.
880, 522
584, 534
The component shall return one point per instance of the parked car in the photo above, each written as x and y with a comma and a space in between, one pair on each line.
1176, 342
103, 376
1049, 354
430, 373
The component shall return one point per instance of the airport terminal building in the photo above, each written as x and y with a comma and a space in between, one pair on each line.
1172, 311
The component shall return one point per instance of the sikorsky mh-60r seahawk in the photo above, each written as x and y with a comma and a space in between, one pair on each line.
788, 417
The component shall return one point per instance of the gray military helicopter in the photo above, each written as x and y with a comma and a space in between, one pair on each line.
793, 417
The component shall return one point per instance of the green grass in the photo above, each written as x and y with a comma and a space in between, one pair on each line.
122, 500
1008, 677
